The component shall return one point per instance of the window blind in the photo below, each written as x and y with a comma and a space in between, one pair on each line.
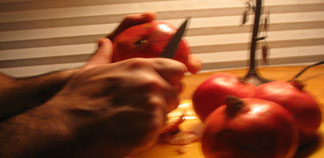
39, 36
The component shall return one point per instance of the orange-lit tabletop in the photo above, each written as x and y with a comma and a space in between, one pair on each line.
313, 79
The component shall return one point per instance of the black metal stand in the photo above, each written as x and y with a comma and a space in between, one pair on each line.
252, 75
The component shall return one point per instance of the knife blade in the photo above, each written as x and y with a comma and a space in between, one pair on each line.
171, 47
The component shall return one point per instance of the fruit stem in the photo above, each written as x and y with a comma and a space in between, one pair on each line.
306, 68
297, 84
242, 80
233, 105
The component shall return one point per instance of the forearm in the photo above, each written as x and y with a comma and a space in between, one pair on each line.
40, 132
53, 130
20, 94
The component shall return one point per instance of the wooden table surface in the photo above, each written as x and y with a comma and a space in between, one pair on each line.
313, 79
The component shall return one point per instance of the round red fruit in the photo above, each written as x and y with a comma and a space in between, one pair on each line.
302, 105
249, 128
148, 40
212, 92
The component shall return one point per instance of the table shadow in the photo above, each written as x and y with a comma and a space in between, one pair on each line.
308, 149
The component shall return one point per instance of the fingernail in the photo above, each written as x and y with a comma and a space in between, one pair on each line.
150, 15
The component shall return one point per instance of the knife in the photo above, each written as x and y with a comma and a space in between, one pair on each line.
172, 46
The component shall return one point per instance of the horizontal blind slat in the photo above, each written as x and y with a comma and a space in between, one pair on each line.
211, 25
170, 9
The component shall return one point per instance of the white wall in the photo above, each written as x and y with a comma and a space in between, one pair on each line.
38, 36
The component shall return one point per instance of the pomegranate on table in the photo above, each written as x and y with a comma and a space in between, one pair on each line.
148, 40
303, 106
212, 92
249, 128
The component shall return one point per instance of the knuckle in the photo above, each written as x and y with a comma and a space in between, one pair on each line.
153, 83
138, 63
180, 67
172, 66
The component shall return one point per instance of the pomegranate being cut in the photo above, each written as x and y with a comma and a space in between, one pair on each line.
249, 128
303, 106
212, 92
148, 40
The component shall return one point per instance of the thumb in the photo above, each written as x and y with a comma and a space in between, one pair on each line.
103, 54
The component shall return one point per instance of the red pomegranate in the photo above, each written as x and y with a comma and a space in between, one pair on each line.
148, 40
212, 92
249, 128
303, 106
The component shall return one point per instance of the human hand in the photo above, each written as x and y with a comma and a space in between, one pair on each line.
120, 107
103, 108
